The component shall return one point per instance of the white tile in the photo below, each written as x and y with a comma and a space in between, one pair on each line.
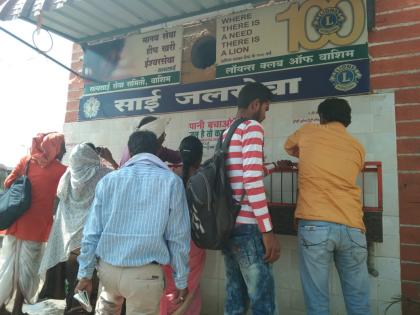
289, 241
283, 270
389, 248
209, 293
297, 302
374, 307
221, 266
221, 297
391, 225
361, 123
294, 312
283, 300
388, 289
384, 122
388, 268
390, 194
337, 305
384, 103
211, 267
383, 306
373, 288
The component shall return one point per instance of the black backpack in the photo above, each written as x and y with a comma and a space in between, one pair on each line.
213, 210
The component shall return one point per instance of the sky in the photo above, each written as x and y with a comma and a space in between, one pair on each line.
33, 89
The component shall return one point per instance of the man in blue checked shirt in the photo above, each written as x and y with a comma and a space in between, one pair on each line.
138, 221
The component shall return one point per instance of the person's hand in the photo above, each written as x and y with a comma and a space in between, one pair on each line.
272, 247
180, 296
84, 285
105, 154
282, 164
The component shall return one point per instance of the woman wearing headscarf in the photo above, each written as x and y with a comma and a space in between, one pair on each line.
76, 191
24, 241
191, 150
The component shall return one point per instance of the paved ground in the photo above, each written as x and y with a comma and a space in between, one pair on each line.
49, 307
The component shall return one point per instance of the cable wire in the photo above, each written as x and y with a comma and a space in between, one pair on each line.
49, 57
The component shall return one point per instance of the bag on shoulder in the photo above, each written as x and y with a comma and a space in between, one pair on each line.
15, 201
213, 210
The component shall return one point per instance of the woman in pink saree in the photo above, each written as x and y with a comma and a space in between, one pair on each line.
191, 150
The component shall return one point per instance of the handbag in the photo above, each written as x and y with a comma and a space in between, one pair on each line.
15, 201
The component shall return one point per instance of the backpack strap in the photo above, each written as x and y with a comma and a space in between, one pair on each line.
27, 167
231, 130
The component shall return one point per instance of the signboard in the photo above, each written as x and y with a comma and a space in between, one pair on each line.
300, 50
138, 61
286, 85
291, 35
209, 132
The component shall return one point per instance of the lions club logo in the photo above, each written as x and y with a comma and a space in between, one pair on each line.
91, 107
345, 77
329, 21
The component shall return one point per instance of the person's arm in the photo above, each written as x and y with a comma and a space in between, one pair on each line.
17, 172
106, 154
252, 153
275, 166
91, 235
168, 155
178, 234
269, 168
292, 144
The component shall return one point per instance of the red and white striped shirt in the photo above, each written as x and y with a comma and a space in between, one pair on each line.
246, 170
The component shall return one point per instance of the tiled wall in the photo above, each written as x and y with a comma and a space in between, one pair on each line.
373, 124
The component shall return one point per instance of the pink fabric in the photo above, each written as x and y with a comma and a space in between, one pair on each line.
45, 147
197, 261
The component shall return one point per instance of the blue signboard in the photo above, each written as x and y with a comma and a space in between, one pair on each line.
338, 79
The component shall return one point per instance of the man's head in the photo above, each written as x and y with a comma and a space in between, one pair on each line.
335, 110
254, 101
143, 142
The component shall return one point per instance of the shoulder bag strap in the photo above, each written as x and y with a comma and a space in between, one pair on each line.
27, 167
231, 131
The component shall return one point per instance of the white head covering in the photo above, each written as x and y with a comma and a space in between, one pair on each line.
84, 165
157, 126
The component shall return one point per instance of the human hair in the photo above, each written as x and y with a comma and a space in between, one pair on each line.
143, 142
191, 150
252, 91
335, 109
146, 120
91, 145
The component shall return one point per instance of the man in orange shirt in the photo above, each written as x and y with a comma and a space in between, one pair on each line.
329, 209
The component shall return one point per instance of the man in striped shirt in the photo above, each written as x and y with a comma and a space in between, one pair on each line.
138, 221
253, 247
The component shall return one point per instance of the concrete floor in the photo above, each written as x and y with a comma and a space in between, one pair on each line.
48, 307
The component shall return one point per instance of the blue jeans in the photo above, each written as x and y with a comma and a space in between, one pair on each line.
249, 280
319, 243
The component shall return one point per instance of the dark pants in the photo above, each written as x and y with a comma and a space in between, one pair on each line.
55, 286
72, 306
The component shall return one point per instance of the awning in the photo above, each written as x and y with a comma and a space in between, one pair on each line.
89, 20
